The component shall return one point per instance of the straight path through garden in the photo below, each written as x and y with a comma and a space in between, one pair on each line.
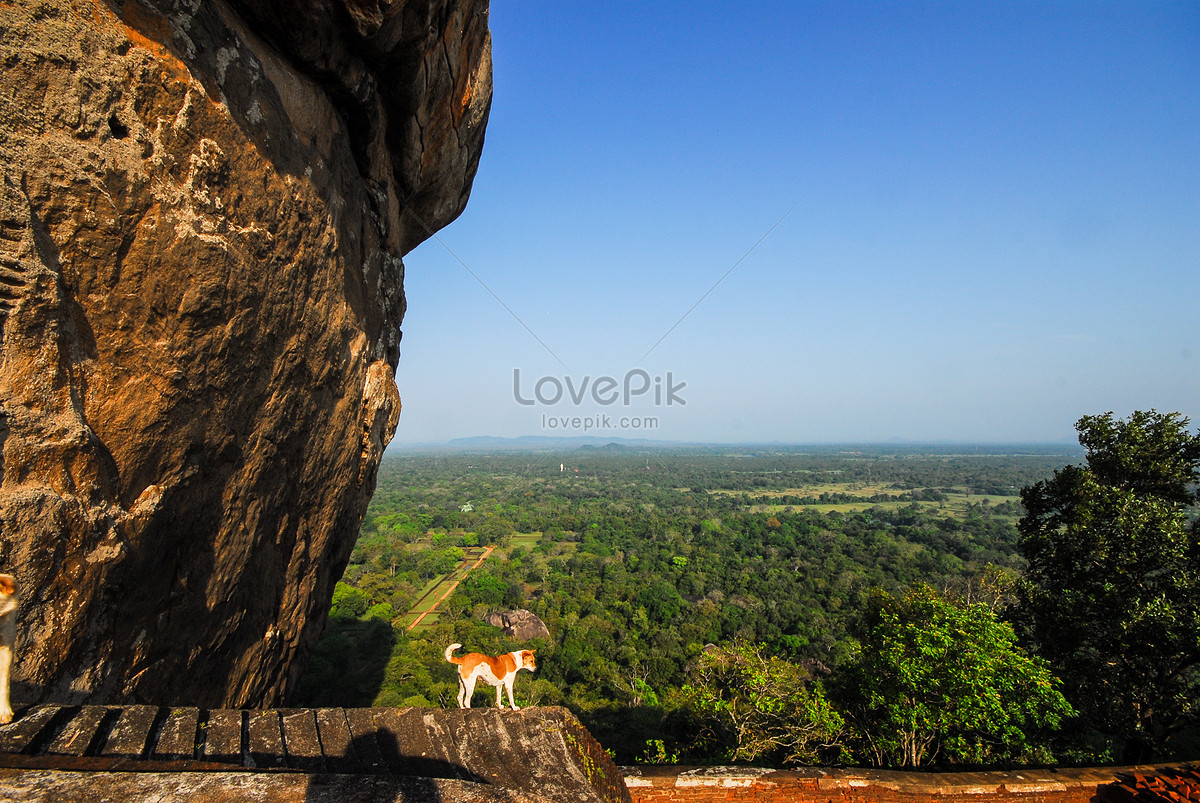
465, 569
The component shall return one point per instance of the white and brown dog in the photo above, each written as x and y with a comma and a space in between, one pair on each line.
499, 671
8, 640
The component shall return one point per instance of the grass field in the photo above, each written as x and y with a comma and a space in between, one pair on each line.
955, 506
956, 503
527, 540
856, 488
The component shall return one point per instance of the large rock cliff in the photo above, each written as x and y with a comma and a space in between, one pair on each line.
203, 210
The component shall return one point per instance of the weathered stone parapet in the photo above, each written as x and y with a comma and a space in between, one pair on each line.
125, 753
812, 785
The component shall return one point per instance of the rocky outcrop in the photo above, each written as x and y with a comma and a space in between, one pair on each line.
521, 625
203, 210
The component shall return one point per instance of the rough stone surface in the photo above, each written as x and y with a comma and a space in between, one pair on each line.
519, 624
33, 786
203, 210
670, 784
100, 753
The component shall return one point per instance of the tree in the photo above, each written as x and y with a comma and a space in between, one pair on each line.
938, 680
757, 706
495, 528
1112, 592
348, 602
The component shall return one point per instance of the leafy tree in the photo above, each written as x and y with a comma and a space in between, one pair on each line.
936, 680
755, 706
495, 529
661, 601
1112, 592
482, 586
348, 602
384, 612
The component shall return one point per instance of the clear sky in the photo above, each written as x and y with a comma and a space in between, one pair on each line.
968, 221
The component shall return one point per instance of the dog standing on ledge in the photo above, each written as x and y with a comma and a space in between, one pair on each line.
499, 671
8, 641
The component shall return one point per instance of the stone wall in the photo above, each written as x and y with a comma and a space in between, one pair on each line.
718, 784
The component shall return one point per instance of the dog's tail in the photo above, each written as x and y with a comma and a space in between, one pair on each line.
450, 657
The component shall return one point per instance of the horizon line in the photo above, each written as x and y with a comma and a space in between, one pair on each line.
459, 442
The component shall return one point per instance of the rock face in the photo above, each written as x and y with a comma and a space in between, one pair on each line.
519, 624
203, 210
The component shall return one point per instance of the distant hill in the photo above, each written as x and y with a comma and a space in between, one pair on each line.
528, 442
611, 446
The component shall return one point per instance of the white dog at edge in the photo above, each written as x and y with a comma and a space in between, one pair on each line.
8, 640
499, 671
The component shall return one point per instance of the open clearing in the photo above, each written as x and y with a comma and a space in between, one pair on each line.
527, 540
956, 503
816, 489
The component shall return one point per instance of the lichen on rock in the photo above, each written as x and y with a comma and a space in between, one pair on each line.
203, 211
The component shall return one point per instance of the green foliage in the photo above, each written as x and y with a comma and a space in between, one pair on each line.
485, 588
495, 528
348, 665
396, 525
439, 561
1151, 454
383, 612
936, 680
752, 706
661, 601
1112, 592
656, 753
348, 602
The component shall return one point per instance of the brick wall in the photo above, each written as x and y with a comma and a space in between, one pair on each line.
719, 784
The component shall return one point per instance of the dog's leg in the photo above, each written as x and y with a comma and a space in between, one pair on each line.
461, 689
509, 685
468, 690
6, 712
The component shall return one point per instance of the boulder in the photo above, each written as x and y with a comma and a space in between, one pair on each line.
203, 211
521, 625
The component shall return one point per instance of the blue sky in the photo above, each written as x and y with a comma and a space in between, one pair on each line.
920, 221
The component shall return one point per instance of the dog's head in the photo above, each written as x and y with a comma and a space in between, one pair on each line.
8, 585
527, 660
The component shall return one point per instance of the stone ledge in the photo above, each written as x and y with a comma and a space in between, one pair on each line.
851, 785
543, 753
724, 777
55, 786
